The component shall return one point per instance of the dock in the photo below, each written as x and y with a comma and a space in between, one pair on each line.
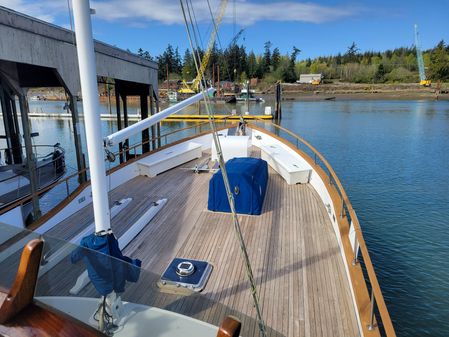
138, 117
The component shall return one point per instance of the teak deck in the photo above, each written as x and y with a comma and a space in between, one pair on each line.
295, 257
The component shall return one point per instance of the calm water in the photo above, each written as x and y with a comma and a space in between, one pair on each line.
393, 159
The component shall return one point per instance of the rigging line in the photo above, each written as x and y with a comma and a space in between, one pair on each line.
197, 49
234, 18
216, 33
221, 47
237, 228
196, 24
193, 45
71, 21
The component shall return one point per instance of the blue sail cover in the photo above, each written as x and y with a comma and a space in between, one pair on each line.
248, 179
106, 273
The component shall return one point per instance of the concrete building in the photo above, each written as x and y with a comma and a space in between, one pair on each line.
36, 54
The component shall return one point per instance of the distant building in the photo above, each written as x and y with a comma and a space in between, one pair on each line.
309, 78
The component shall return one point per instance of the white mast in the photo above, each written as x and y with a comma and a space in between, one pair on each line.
91, 108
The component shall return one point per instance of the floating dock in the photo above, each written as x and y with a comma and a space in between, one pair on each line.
205, 117
137, 117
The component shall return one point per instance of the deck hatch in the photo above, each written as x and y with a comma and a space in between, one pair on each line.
186, 273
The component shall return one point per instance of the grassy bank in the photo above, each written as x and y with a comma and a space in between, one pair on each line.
359, 91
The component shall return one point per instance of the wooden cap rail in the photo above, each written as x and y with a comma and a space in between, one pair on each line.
22, 291
346, 209
230, 327
21, 317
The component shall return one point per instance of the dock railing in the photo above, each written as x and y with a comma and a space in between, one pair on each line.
374, 316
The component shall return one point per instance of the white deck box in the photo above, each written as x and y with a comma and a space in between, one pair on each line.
232, 147
292, 168
169, 158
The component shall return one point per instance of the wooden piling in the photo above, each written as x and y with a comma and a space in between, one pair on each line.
125, 123
119, 119
278, 99
152, 112
34, 184
144, 114
80, 160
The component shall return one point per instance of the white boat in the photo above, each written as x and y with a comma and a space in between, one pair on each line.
172, 96
288, 264
15, 177
244, 97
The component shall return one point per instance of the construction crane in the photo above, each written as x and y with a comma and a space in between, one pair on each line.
194, 87
236, 37
422, 74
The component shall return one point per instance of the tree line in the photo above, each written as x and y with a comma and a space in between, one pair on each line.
236, 64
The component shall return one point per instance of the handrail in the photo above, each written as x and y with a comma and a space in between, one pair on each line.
160, 137
60, 155
376, 291
123, 151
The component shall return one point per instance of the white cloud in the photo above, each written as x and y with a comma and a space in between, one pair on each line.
45, 10
248, 12
138, 12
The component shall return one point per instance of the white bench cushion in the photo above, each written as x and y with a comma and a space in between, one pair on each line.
169, 158
291, 167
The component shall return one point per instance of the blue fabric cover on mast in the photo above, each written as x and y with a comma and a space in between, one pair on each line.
107, 268
248, 179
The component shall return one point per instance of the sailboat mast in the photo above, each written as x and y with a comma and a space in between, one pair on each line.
91, 108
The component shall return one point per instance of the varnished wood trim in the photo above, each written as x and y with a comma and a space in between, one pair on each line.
230, 327
39, 320
356, 274
22, 291
33, 226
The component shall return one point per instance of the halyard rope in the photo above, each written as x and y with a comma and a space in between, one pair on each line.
221, 162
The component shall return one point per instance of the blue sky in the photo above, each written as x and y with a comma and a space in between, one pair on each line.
316, 27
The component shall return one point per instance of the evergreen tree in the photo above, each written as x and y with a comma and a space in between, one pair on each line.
167, 60
267, 57
188, 68
177, 62
275, 58
252, 65
351, 53
145, 54
289, 74
439, 63
380, 73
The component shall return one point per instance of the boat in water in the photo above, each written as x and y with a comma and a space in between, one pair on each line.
245, 97
172, 96
229, 229
49, 163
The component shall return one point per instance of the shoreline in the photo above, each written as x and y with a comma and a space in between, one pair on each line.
355, 96
363, 91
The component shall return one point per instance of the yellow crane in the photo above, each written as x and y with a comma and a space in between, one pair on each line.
194, 87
